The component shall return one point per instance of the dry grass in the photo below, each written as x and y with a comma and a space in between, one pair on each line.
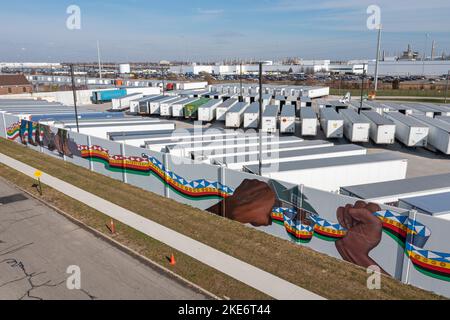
313, 271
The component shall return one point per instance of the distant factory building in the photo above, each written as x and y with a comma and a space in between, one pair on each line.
14, 84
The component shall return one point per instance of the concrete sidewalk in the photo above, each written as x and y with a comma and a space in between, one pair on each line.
237, 269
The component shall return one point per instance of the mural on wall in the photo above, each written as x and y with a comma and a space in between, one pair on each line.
353, 230
34, 134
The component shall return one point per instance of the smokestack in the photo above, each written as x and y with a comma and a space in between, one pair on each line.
433, 48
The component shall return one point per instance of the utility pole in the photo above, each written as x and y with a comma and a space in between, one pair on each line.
446, 87
260, 117
378, 57
99, 60
74, 90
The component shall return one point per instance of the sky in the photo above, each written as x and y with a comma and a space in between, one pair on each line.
213, 30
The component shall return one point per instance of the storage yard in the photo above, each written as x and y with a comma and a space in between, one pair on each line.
337, 148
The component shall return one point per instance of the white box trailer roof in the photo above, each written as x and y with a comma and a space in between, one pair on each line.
404, 109
251, 116
309, 122
233, 145
144, 105
439, 134
178, 107
192, 140
410, 131
287, 119
356, 127
123, 103
332, 123
444, 118
382, 130
237, 163
378, 107
433, 205
207, 111
270, 119
165, 109
419, 109
144, 90
235, 116
134, 104
272, 149
136, 139
223, 108
103, 130
331, 174
441, 110
155, 106
391, 192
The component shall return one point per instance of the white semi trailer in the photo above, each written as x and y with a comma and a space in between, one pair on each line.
409, 131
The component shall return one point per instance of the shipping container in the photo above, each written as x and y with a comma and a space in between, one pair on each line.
305, 102
165, 109
253, 151
332, 123
382, 130
409, 131
433, 205
145, 91
419, 109
235, 115
309, 122
237, 163
270, 119
444, 118
103, 130
391, 192
134, 104
251, 116
207, 111
144, 105
330, 174
287, 119
103, 96
441, 110
191, 109
439, 133
223, 108
232, 146
155, 106
178, 108
356, 127
123, 103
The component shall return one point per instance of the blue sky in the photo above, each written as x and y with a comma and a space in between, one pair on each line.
150, 30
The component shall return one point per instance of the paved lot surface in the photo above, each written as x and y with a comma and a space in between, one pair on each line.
37, 245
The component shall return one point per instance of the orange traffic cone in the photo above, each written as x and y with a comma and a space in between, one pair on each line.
113, 227
172, 260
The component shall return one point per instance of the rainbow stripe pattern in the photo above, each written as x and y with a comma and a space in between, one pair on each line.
430, 263
195, 189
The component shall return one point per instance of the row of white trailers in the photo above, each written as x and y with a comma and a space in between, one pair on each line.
384, 126
318, 164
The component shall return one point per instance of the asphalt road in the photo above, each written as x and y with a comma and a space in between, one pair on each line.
37, 245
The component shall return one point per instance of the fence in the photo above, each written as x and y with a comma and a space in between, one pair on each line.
411, 247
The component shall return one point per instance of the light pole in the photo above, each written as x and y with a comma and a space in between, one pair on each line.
74, 90
378, 57
425, 54
260, 117
362, 88
446, 87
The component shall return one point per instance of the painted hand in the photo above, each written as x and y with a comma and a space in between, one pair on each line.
252, 202
364, 232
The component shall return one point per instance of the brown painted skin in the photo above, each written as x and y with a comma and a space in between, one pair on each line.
252, 202
364, 233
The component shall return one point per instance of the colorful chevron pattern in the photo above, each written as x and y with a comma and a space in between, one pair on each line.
195, 189
430, 263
